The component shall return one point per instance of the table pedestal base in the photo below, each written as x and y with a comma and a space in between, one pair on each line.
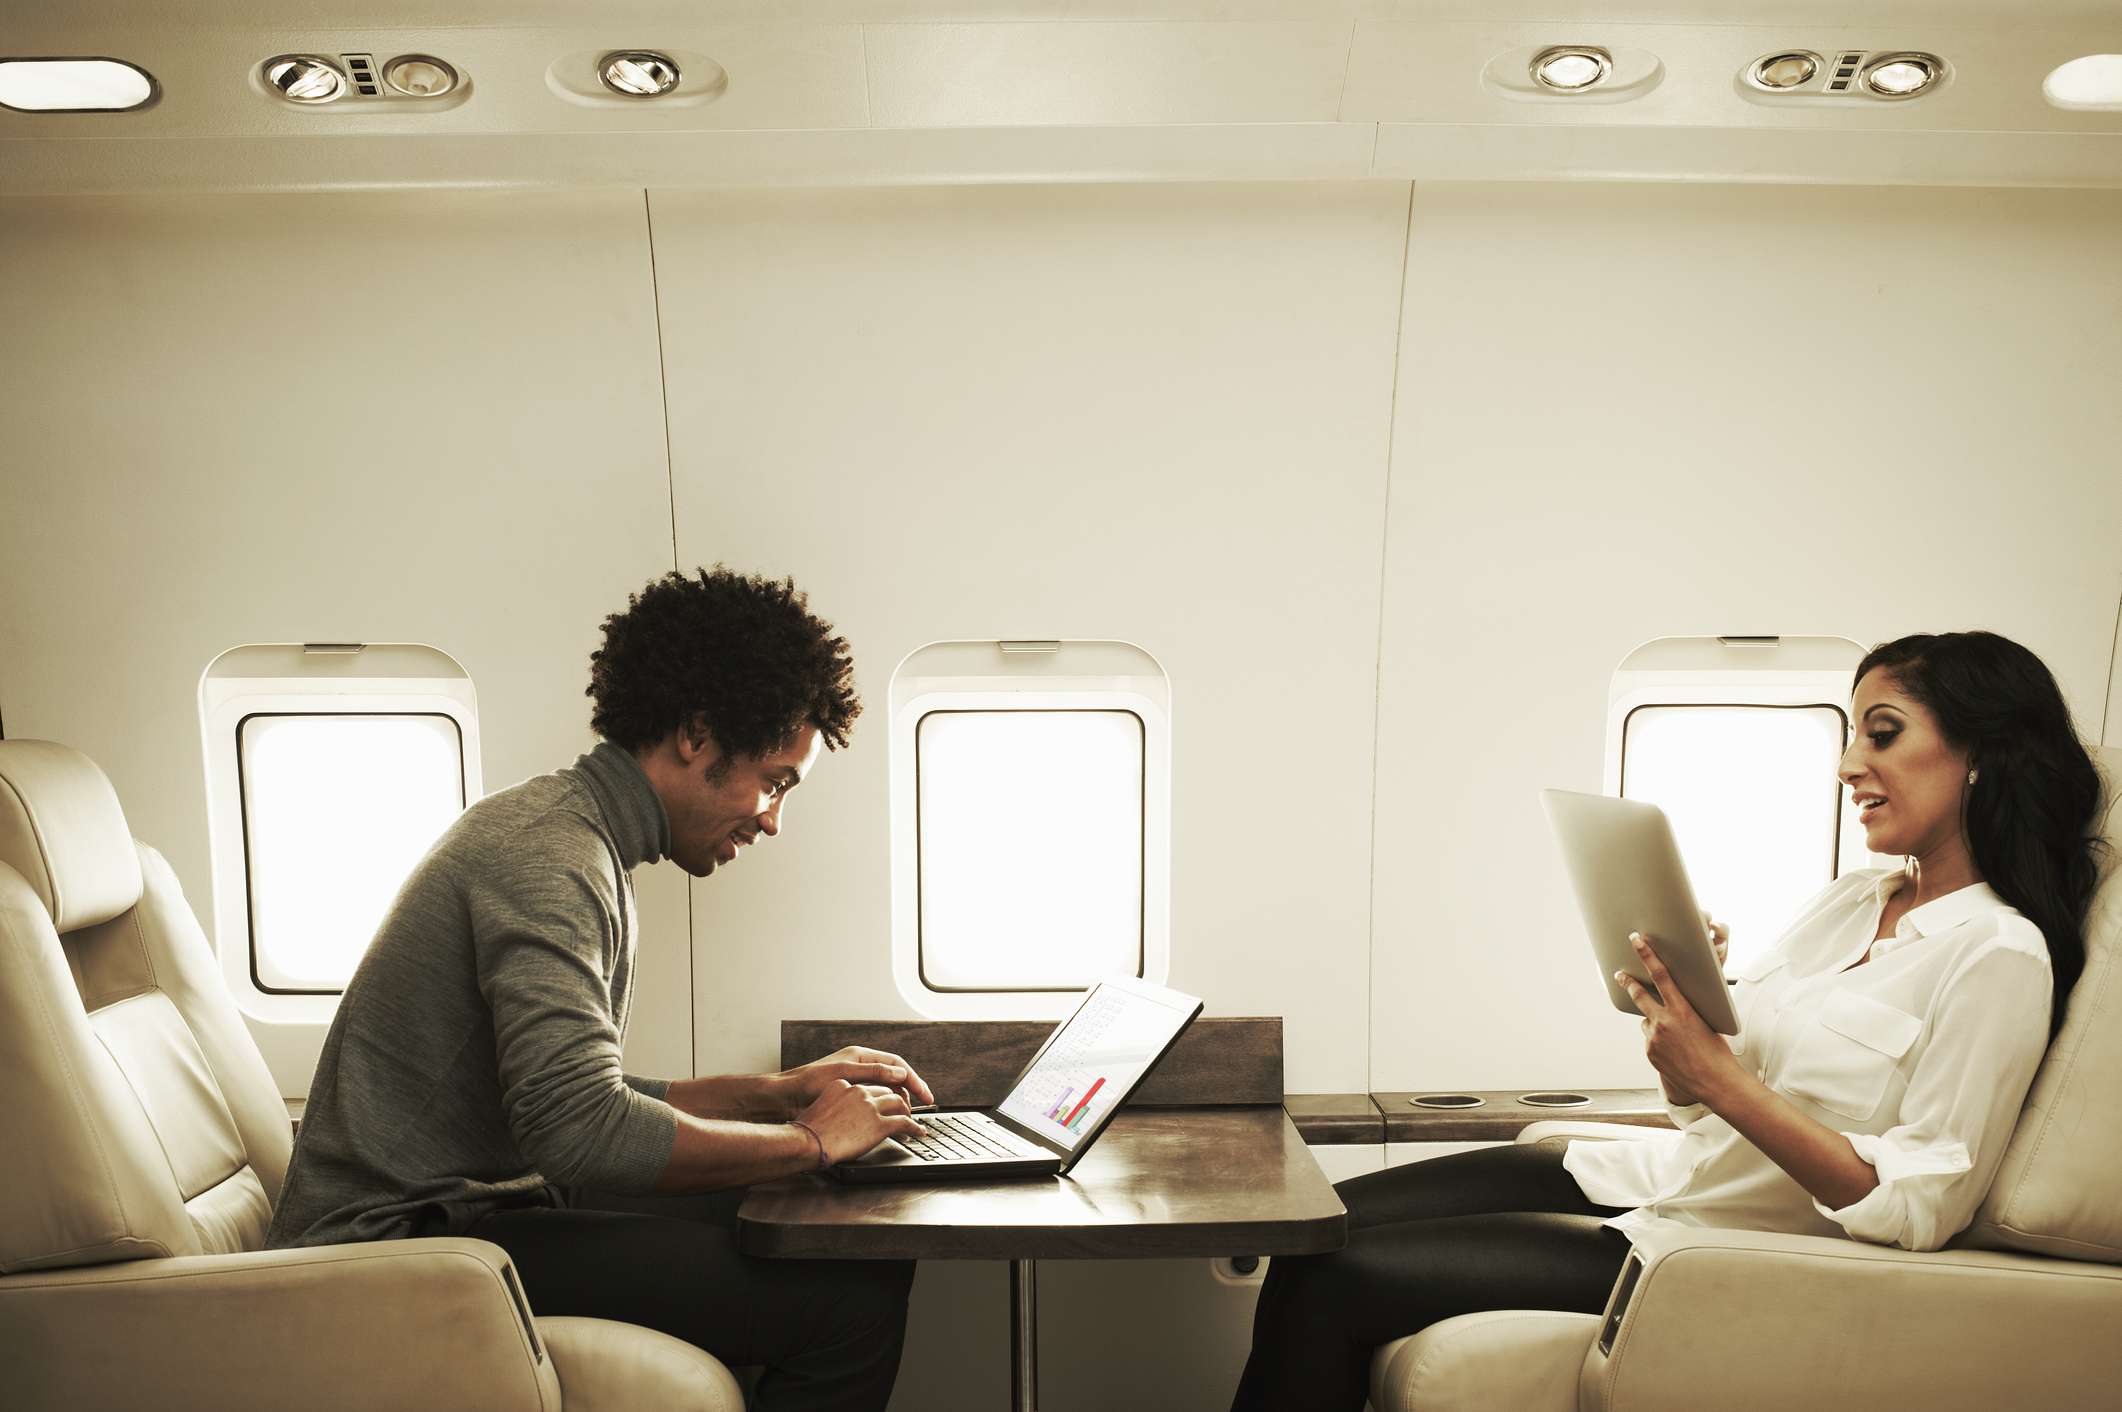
1023, 1335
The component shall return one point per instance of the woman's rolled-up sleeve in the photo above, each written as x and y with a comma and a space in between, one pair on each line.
1685, 1114
1963, 1099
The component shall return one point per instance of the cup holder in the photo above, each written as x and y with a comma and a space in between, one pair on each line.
1448, 1100
1554, 1100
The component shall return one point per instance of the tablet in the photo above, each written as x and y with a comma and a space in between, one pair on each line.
1627, 874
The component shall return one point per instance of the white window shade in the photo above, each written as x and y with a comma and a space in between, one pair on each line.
1030, 848
1754, 803
337, 809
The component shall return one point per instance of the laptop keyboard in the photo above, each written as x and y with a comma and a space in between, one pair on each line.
956, 1139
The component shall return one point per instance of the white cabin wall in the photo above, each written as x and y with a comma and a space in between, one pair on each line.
1152, 413
1632, 411
1163, 413
1175, 402
398, 416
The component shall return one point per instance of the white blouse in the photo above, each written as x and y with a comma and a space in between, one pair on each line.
1921, 1057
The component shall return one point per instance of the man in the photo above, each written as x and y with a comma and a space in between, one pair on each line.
471, 1082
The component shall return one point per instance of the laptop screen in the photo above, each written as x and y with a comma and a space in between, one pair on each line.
1095, 1059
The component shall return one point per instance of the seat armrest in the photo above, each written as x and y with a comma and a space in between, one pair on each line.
606, 1366
394, 1323
1830, 1324
1527, 1360
1560, 1129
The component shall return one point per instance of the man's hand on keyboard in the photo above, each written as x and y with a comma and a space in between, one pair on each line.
856, 1064
850, 1119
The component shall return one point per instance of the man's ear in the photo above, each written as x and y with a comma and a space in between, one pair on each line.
694, 739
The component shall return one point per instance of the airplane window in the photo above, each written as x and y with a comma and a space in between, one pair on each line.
330, 768
1030, 824
1030, 834
337, 809
1754, 803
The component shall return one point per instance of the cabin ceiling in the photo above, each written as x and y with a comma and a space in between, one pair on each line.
465, 13
878, 92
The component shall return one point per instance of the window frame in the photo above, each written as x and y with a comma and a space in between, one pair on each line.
1770, 671
316, 679
1024, 675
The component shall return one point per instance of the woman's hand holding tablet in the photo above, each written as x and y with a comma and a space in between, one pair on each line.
1688, 1055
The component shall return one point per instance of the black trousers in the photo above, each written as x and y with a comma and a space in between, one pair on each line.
829, 1332
1495, 1228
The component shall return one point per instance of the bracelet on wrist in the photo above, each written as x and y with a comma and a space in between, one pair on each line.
816, 1141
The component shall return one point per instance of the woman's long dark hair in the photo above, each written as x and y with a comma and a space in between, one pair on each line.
2032, 814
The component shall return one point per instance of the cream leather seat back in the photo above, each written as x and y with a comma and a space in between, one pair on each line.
141, 1121
2057, 1192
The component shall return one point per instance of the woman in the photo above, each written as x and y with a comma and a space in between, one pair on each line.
1886, 1045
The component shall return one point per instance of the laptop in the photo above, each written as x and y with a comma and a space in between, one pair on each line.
1056, 1107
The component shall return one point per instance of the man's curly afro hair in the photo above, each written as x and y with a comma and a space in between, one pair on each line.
741, 650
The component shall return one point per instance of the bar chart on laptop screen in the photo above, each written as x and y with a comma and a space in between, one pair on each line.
1092, 1065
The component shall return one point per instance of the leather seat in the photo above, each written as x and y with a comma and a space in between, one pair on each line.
144, 1145
2021, 1310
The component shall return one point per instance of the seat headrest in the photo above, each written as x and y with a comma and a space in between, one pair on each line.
62, 829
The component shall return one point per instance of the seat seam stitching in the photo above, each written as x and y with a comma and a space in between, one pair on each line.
5, 1286
44, 853
365, 1254
73, 1084
184, 1026
140, 935
176, 1183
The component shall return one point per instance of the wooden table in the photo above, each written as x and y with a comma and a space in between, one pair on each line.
1158, 1183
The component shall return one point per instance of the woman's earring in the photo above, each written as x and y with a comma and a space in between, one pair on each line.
1971, 775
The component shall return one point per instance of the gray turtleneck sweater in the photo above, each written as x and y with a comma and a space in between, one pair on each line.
474, 1059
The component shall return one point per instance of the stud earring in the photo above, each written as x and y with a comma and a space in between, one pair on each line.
1971, 775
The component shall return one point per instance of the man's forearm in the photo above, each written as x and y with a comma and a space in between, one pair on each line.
749, 1097
709, 1154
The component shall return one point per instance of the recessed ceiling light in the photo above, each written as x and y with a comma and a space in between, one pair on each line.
1571, 68
304, 78
639, 73
2094, 81
419, 76
1778, 72
1901, 75
73, 85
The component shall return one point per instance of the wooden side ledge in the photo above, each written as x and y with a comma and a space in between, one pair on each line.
1500, 1115
1336, 1119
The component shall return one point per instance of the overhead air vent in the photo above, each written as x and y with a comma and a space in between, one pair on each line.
1802, 76
361, 68
318, 80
